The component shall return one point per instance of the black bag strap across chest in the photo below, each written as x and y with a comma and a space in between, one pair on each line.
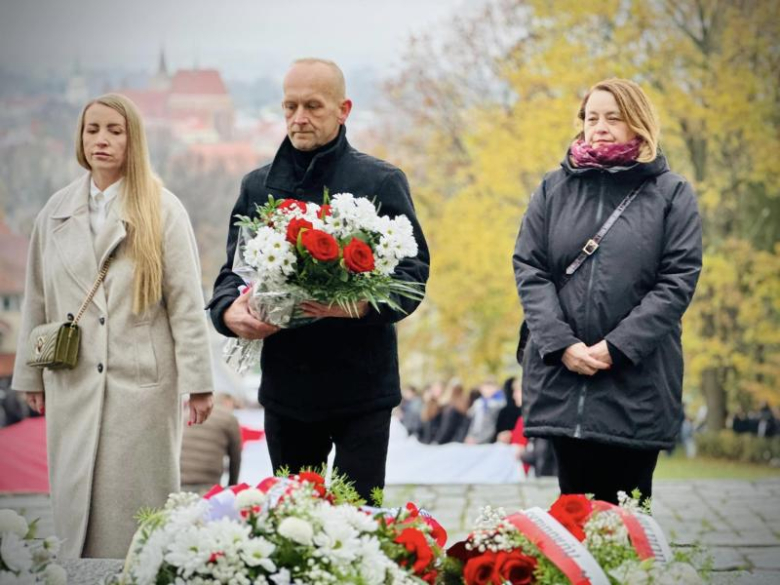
592, 244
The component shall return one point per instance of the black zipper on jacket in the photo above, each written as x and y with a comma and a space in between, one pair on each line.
593, 260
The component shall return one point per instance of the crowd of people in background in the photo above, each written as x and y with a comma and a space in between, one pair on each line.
488, 413
763, 423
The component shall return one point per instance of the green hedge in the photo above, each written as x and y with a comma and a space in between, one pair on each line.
743, 447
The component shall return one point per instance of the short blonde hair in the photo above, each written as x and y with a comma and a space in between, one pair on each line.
141, 205
340, 84
636, 109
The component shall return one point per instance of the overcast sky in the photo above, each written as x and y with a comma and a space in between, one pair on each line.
244, 38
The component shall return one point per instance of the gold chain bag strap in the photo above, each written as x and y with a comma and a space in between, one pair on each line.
56, 345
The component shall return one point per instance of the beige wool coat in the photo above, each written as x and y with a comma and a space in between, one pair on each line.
114, 422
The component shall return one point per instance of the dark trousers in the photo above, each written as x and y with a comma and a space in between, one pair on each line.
361, 446
586, 467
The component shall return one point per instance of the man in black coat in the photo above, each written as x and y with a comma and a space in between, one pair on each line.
336, 380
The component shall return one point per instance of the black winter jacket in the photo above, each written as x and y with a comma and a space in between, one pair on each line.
333, 366
632, 292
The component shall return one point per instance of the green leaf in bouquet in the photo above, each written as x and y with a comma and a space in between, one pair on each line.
32, 529
283, 471
377, 496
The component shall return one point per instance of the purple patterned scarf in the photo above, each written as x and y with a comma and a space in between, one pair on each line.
606, 155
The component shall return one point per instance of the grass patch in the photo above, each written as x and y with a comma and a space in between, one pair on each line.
679, 467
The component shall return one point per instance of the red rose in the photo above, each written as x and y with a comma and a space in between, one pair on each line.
358, 256
320, 245
514, 567
576, 506
294, 227
479, 570
311, 477
324, 210
572, 511
414, 541
288, 204
315, 479
430, 577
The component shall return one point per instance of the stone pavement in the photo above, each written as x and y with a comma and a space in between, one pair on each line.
737, 523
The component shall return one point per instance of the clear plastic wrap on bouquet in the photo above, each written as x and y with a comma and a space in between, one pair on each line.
275, 307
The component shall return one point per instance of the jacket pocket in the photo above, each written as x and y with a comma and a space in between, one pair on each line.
145, 358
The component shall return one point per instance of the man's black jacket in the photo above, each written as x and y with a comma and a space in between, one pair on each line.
632, 292
334, 366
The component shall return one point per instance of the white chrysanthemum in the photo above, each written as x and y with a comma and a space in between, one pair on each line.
283, 577
256, 552
15, 553
248, 498
12, 522
359, 520
365, 214
228, 535
343, 203
148, 560
337, 539
397, 239
297, 530
385, 264
374, 564
190, 551
403, 232
55, 575
187, 516
252, 252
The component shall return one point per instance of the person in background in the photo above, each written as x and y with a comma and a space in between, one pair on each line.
204, 448
484, 414
430, 416
603, 367
455, 420
511, 414
114, 422
410, 410
539, 456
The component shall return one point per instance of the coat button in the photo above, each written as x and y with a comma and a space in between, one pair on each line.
70, 317
100, 368
102, 320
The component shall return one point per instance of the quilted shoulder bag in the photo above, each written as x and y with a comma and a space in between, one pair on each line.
56, 345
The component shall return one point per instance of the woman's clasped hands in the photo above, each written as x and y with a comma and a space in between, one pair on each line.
582, 359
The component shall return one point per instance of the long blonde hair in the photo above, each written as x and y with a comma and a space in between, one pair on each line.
141, 201
636, 109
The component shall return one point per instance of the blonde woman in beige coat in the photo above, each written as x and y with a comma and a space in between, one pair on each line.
113, 423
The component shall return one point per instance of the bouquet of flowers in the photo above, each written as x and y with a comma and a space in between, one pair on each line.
25, 559
579, 540
284, 531
341, 253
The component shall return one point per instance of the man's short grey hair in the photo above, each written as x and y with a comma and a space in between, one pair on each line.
341, 84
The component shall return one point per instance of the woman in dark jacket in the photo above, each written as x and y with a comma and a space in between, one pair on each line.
602, 370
